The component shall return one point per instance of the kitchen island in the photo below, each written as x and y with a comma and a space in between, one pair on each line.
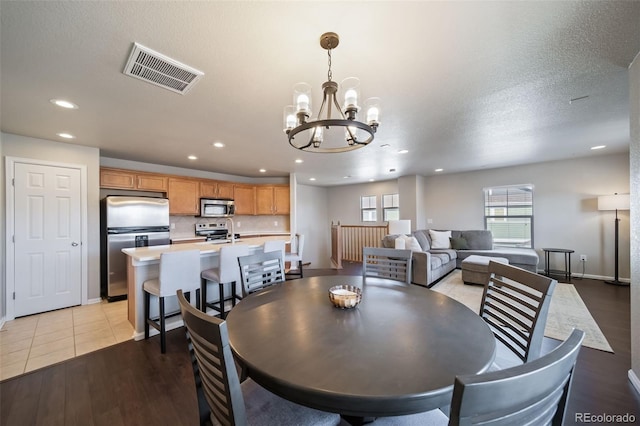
143, 264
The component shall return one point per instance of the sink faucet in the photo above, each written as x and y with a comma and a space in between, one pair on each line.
233, 234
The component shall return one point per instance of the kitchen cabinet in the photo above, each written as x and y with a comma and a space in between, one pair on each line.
127, 179
216, 189
245, 199
272, 199
184, 196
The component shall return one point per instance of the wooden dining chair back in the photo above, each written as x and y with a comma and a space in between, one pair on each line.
222, 399
386, 263
534, 393
515, 305
260, 270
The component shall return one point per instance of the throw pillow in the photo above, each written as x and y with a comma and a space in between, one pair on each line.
440, 239
458, 243
411, 243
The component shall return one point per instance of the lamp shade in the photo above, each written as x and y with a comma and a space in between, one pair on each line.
400, 227
614, 202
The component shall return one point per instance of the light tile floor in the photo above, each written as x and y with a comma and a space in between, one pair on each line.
32, 342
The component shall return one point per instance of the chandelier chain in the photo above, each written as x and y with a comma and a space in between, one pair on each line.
329, 73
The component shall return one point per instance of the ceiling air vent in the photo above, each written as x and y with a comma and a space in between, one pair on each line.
155, 68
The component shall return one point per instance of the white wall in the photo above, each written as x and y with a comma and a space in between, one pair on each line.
41, 149
634, 79
344, 201
312, 220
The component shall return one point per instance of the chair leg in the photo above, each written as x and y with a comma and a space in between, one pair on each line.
221, 300
203, 292
300, 267
147, 301
163, 343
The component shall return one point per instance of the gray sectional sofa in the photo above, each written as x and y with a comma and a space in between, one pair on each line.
430, 264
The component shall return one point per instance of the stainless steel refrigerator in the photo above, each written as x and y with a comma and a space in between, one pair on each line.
128, 222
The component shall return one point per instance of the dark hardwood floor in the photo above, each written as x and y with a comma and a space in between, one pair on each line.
132, 383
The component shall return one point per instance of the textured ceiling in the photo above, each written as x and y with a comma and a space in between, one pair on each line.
464, 85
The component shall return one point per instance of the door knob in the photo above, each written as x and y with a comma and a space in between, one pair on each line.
74, 244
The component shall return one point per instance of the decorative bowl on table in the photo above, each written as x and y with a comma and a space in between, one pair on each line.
345, 296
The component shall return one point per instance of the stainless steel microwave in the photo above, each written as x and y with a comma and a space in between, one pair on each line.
216, 207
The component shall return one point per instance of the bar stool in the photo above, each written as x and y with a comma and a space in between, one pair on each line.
295, 256
226, 272
179, 270
276, 245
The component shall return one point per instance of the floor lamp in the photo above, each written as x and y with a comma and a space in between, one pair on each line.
615, 202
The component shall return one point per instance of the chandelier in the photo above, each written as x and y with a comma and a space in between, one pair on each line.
327, 134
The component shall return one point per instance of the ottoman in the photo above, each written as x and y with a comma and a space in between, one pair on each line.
475, 269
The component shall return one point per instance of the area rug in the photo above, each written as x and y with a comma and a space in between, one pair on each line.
567, 310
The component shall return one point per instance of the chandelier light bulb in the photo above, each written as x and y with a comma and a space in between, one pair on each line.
303, 103
290, 120
372, 106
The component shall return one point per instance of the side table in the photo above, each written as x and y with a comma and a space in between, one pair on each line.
567, 262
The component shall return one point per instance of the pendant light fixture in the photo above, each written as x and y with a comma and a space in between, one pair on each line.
325, 133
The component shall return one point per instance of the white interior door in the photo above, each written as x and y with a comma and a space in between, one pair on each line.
47, 238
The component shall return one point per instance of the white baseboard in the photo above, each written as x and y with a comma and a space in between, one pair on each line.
635, 381
597, 277
94, 301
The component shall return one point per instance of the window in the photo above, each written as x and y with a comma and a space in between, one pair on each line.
390, 207
508, 214
368, 208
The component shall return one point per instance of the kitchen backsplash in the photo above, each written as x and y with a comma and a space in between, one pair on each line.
183, 226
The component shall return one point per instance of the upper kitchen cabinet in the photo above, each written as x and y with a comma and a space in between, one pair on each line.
272, 199
184, 196
127, 179
245, 199
215, 189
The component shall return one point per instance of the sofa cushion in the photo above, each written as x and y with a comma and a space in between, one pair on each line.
478, 239
411, 243
445, 254
423, 240
459, 243
440, 239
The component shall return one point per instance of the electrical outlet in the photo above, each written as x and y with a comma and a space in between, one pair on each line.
583, 258
173, 226
238, 224
275, 223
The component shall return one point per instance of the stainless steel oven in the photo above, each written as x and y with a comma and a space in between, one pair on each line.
216, 207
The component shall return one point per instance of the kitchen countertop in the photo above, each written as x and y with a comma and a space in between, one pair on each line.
145, 254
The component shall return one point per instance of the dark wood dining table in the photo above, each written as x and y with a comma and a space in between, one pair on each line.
396, 353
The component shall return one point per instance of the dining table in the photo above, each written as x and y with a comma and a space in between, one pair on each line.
396, 353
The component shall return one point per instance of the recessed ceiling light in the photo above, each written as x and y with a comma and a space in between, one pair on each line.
403, 151
438, 170
299, 160
598, 147
66, 135
192, 157
392, 170
385, 145
218, 144
312, 178
263, 170
346, 177
371, 180
64, 104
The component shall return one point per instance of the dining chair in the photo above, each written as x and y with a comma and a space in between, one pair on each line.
515, 305
534, 393
295, 257
386, 263
179, 270
260, 270
222, 399
227, 272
